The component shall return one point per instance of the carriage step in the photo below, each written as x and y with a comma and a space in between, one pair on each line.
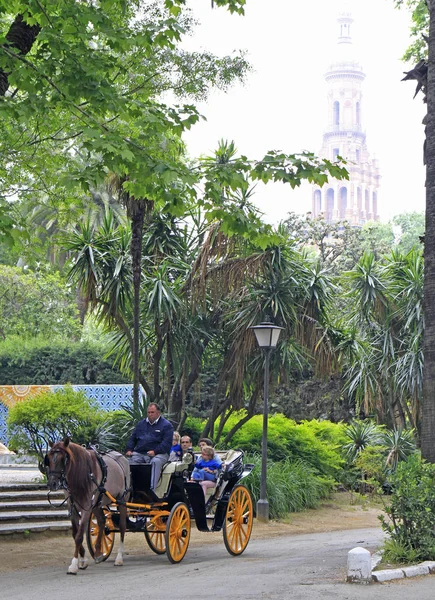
35, 527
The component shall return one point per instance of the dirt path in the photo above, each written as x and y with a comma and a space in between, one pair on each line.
338, 514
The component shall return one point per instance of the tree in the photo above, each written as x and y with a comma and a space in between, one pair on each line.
37, 304
411, 233
98, 69
423, 13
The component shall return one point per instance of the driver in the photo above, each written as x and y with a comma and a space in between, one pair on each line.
151, 442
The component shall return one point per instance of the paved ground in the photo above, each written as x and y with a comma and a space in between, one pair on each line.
299, 567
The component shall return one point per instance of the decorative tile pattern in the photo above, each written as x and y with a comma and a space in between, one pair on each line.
109, 397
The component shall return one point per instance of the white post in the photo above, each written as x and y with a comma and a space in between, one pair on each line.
359, 566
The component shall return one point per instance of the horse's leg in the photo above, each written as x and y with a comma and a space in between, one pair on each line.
99, 515
78, 538
119, 561
75, 517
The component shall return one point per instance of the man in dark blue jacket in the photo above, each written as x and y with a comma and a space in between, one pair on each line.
151, 442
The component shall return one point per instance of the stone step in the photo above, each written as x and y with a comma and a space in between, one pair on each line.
34, 527
22, 495
31, 505
36, 515
22, 486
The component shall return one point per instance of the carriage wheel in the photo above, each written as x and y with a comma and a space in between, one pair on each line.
177, 532
155, 534
108, 538
238, 520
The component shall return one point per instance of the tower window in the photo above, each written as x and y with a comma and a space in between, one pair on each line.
335, 153
336, 115
317, 202
358, 113
329, 205
343, 203
358, 155
367, 203
375, 204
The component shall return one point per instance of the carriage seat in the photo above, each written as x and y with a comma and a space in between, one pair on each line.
168, 470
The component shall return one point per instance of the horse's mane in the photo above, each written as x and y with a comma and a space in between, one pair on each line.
78, 470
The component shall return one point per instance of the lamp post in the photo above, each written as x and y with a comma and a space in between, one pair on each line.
267, 335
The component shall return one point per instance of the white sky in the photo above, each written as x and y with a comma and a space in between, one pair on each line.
282, 106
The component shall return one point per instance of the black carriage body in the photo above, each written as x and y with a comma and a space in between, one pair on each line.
180, 489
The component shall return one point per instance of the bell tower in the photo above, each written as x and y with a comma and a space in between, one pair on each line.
355, 200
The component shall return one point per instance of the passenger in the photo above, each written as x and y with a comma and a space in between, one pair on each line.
150, 442
186, 444
176, 451
206, 468
205, 442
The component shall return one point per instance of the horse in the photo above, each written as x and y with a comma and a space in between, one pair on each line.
85, 476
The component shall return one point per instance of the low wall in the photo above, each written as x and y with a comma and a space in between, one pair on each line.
109, 397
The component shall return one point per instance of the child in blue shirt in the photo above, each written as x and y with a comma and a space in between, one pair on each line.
206, 468
176, 452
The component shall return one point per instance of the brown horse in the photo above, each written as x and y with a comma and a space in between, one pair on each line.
85, 478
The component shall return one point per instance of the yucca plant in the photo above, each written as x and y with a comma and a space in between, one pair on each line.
360, 435
400, 444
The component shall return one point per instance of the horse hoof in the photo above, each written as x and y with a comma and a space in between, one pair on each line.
119, 564
71, 572
99, 559
84, 565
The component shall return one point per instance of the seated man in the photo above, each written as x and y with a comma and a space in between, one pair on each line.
151, 442
186, 444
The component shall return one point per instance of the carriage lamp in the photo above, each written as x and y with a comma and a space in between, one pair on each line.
267, 335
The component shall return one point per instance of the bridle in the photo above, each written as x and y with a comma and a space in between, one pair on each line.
58, 473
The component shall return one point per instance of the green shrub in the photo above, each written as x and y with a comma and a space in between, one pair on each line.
292, 486
50, 416
57, 361
371, 463
411, 512
289, 440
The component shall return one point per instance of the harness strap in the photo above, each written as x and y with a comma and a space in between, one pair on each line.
103, 467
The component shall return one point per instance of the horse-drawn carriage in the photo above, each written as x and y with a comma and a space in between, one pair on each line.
163, 516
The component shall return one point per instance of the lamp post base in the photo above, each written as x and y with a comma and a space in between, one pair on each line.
263, 511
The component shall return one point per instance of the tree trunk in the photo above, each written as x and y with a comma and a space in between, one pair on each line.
428, 409
136, 209
21, 37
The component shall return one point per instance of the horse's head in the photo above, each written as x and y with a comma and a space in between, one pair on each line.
55, 462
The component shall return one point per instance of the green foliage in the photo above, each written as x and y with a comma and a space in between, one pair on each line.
411, 524
317, 446
50, 416
419, 29
42, 361
399, 444
359, 435
371, 462
193, 427
412, 227
292, 485
37, 303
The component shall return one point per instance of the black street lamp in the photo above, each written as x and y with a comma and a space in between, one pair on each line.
267, 335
